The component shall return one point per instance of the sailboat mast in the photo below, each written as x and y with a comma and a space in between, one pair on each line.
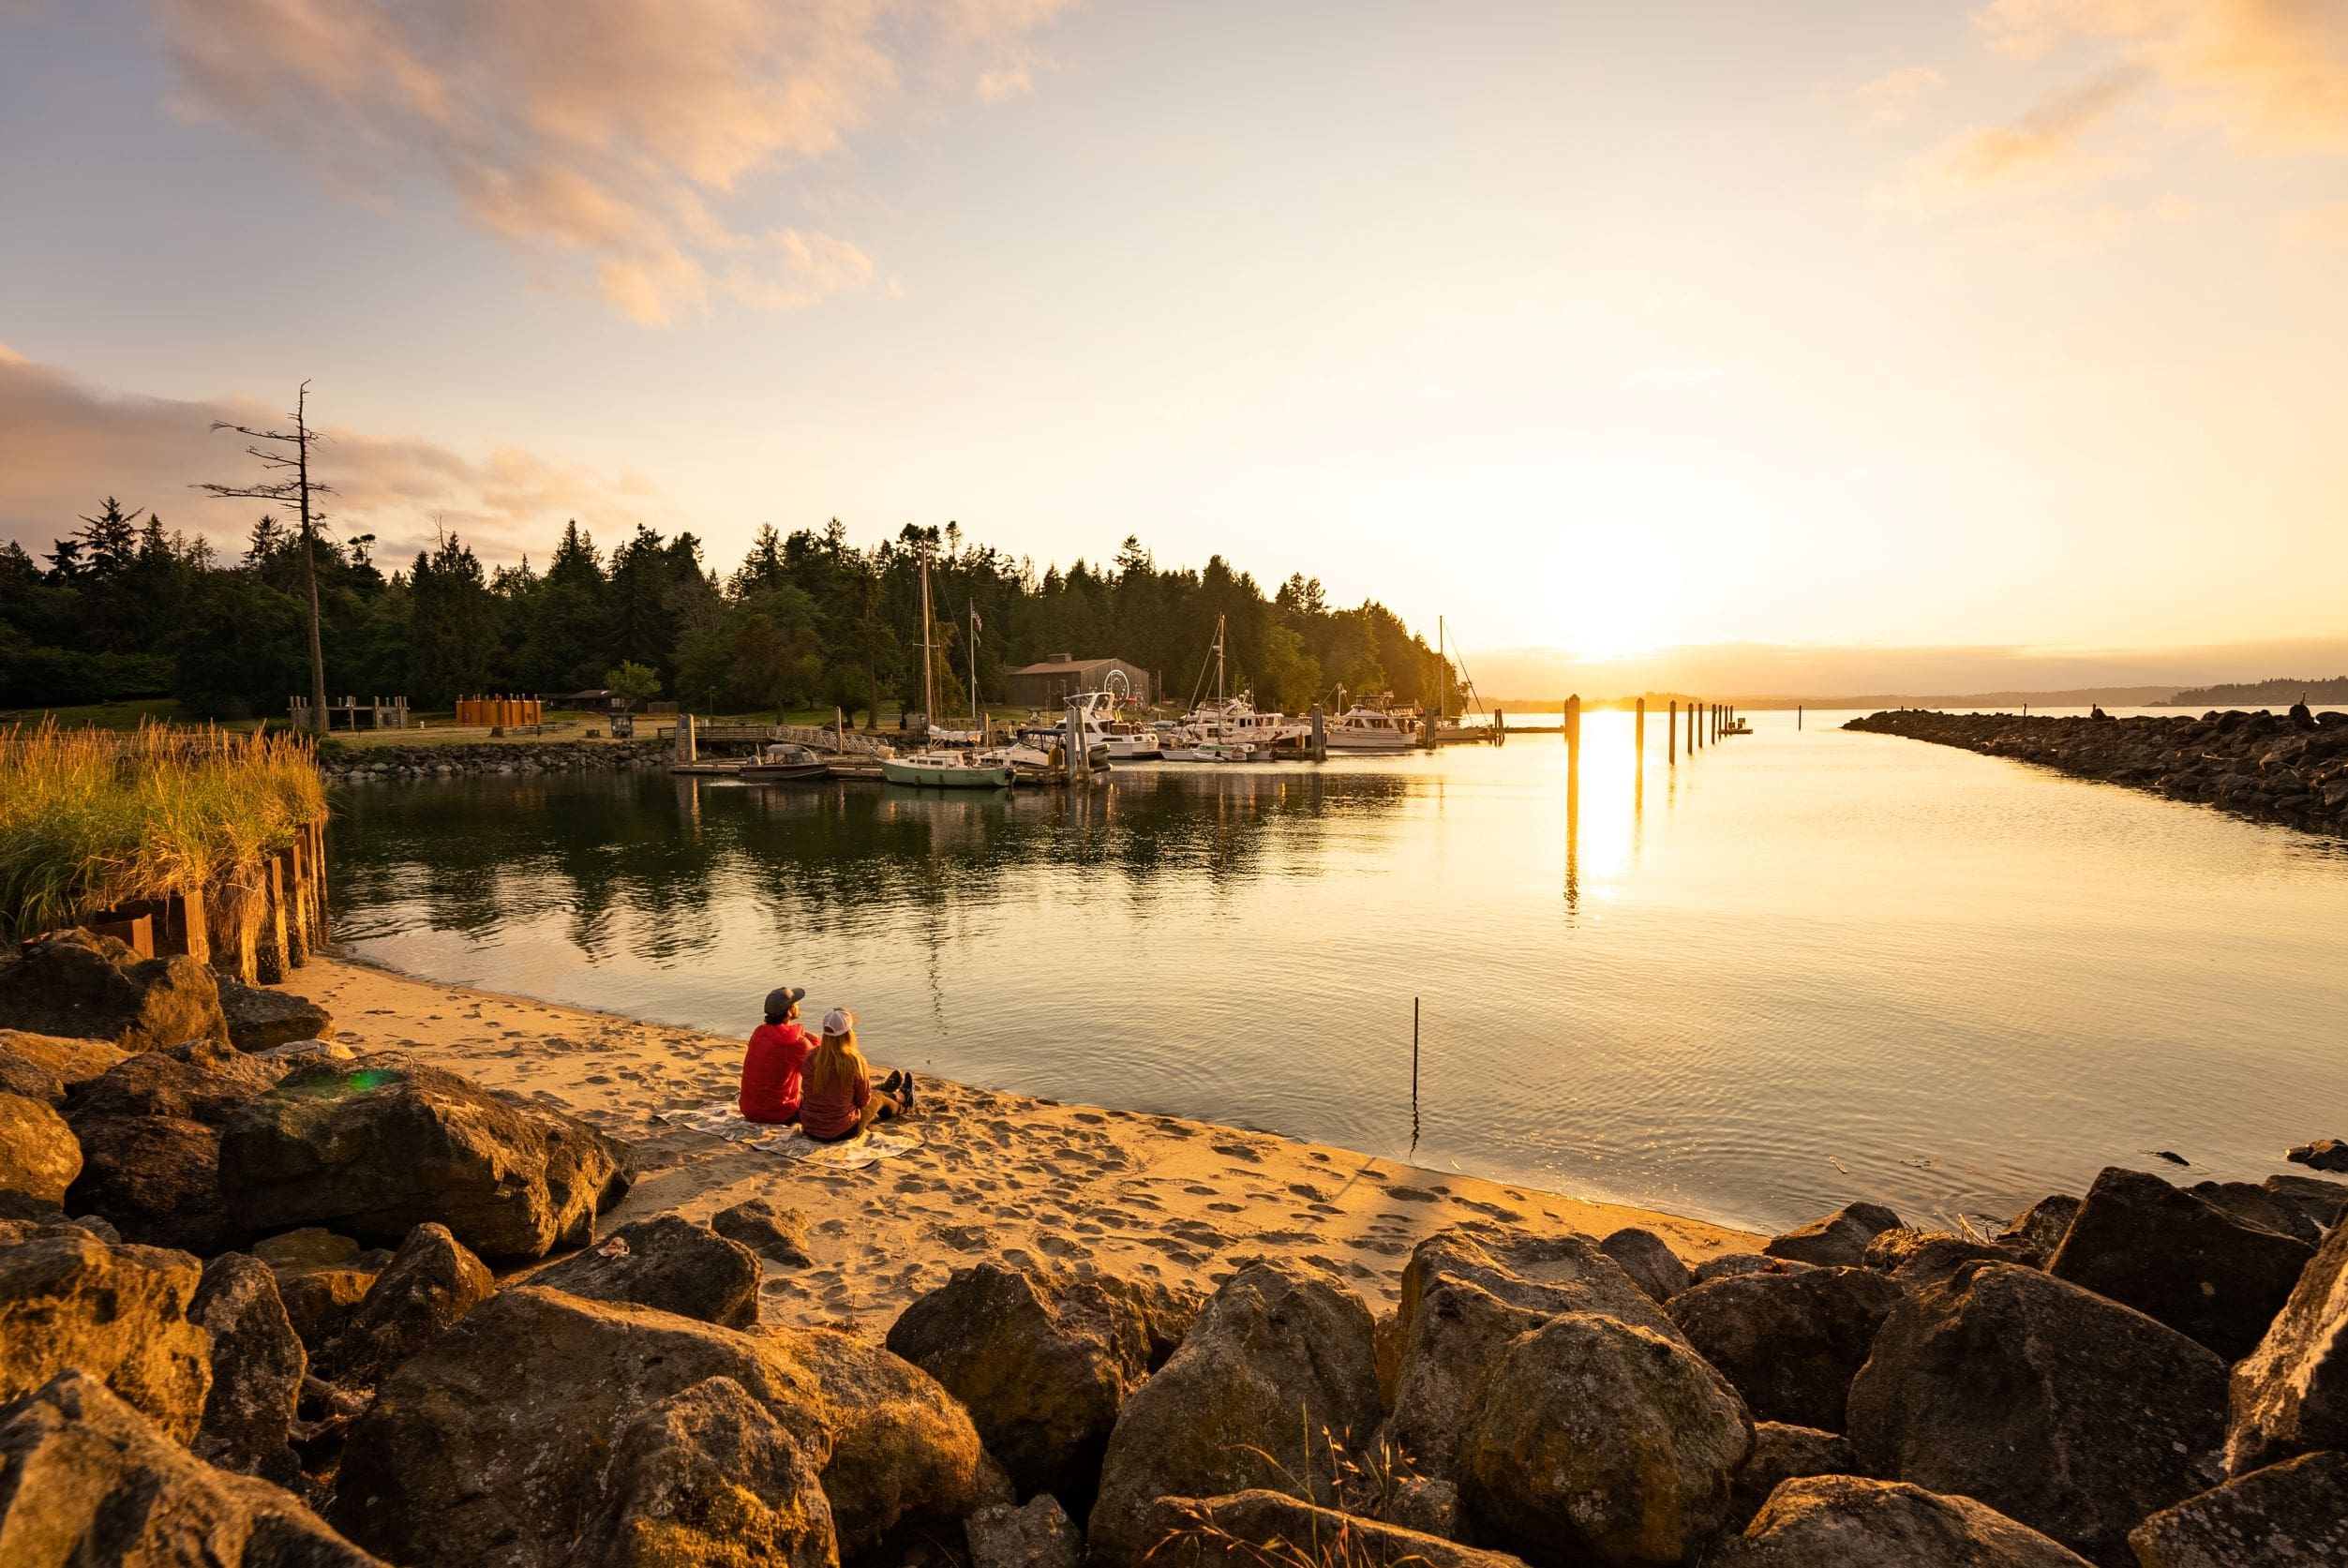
973, 664
929, 710
1219, 661
1442, 685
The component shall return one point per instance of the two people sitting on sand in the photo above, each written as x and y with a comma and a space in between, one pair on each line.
824, 1084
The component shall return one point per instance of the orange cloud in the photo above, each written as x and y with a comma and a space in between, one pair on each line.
2272, 74
64, 446
2045, 145
598, 132
1893, 98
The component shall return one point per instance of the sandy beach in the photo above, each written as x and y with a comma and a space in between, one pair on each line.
995, 1176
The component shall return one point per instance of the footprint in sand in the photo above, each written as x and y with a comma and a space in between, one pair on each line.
1228, 1208
1091, 1118
1306, 1190
1197, 1190
1412, 1195
1237, 1151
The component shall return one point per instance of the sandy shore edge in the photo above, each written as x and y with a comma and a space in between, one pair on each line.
997, 1175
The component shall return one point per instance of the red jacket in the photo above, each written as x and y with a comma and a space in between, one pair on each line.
770, 1069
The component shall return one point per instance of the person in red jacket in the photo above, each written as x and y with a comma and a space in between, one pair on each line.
771, 1086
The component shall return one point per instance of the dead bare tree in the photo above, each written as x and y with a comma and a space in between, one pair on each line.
288, 455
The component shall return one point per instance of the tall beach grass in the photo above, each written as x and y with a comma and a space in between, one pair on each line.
91, 819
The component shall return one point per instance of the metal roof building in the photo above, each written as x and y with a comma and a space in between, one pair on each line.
1057, 677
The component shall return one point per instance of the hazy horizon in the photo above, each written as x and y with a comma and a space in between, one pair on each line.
1854, 339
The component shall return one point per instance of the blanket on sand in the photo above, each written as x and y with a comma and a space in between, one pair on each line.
879, 1142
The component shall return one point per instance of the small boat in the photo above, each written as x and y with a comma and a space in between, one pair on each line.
946, 770
937, 768
1185, 746
1371, 729
784, 763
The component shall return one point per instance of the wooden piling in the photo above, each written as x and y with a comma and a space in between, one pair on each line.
294, 864
1320, 735
1671, 735
1638, 731
1796, 715
269, 944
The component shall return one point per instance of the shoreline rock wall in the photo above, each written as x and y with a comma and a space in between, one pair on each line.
2290, 769
395, 764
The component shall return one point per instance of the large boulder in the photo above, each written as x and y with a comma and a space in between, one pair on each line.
258, 1364
1042, 1361
1650, 1261
2037, 1232
488, 1444
118, 1313
379, 1146
665, 1262
38, 1157
260, 1019
1260, 1528
1782, 1454
772, 1233
1278, 1363
1725, 1264
1610, 1438
90, 987
2181, 1259
2071, 1413
2322, 1202
905, 1457
429, 1283
1838, 1241
30, 1064
2294, 1515
708, 1475
1789, 1342
1036, 1534
1462, 1304
322, 1279
84, 1479
1915, 1257
2260, 1206
150, 1136
1842, 1521
2290, 1396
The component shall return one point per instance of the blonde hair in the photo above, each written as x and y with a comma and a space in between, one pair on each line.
836, 1065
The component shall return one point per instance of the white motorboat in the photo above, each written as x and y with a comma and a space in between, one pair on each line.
1189, 748
1370, 729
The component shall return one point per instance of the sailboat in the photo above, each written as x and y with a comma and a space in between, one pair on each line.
935, 768
1228, 732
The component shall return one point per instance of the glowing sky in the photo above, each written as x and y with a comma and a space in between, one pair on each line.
1596, 326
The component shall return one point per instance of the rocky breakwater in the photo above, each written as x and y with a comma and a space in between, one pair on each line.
336, 1330
2291, 767
395, 764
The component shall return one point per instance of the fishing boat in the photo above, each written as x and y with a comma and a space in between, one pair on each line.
784, 763
1093, 716
1371, 729
935, 768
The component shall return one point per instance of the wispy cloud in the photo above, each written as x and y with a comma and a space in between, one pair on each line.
2045, 146
1893, 97
601, 133
65, 444
2272, 74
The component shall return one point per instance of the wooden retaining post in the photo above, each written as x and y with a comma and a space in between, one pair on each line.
269, 944
183, 929
295, 881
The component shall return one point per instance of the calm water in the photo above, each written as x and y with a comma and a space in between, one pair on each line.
1801, 968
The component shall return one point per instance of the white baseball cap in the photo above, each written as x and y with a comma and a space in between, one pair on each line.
839, 1021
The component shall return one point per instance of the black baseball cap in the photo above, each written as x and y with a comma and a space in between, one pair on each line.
783, 998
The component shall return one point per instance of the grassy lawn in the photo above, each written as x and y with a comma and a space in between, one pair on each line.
125, 714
